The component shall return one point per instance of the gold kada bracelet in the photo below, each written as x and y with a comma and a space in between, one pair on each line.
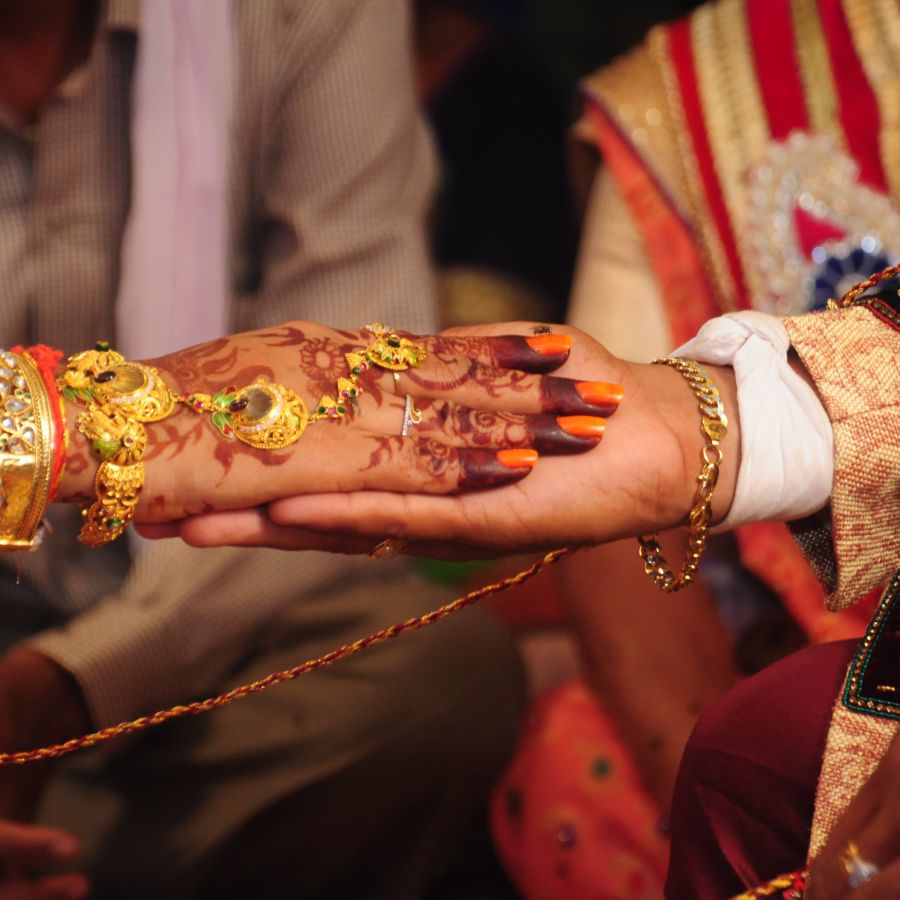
26, 451
714, 426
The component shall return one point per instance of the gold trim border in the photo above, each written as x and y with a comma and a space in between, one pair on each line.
852, 698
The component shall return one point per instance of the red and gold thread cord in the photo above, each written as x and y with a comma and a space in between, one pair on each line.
859, 289
202, 706
785, 887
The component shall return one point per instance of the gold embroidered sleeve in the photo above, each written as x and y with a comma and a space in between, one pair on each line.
634, 93
853, 357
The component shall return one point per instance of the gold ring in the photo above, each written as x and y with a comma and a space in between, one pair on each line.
857, 869
388, 350
389, 548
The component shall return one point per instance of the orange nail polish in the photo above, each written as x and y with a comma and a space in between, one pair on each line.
598, 393
518, 459
550, 344
582, 426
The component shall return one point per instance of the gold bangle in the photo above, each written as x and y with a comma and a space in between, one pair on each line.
26, 451
103, 377
714, 426
119, 442
118, 396
118, 492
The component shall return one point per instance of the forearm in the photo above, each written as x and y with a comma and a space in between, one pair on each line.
676, 406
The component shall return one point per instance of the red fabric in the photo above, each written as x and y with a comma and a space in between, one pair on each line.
745, 792
812, 231
773, 46
570, 818
682, 57
858, 107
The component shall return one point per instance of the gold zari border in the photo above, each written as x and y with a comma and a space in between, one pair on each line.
875, 31
733, 110
819, 89
853, 699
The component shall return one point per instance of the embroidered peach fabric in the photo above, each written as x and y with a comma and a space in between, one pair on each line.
856, 743
854, 359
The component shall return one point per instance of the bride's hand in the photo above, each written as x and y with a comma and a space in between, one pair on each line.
642, 478
484, 402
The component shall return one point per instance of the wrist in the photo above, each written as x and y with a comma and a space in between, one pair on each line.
675, 404
77, 484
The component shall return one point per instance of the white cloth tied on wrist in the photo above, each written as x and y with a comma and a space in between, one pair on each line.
787, 445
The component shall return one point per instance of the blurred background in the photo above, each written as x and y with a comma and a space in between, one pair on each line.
499, 79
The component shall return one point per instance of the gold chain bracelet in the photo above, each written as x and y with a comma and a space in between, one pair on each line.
714, 425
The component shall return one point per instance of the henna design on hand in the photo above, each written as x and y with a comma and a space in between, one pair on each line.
285, 336
481, 469
549, 437
547, 433
426, 455
322, 362
494, 382
77, 462
166, 439
510, 351
482, 427
477, 468
560, 395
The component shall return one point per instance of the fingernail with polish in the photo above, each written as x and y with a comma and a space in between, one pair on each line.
550, 344
582, 426
600, 393
487, 468
518, 459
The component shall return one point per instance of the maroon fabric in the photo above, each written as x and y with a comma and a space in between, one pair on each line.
745, 792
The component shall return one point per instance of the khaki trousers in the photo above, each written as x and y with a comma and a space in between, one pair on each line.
354, 781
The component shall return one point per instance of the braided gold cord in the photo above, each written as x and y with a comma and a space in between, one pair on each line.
795, 882
201, 706
859, 289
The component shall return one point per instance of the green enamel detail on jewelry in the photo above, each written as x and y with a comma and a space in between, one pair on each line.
223, 399
106, 449
222, 421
